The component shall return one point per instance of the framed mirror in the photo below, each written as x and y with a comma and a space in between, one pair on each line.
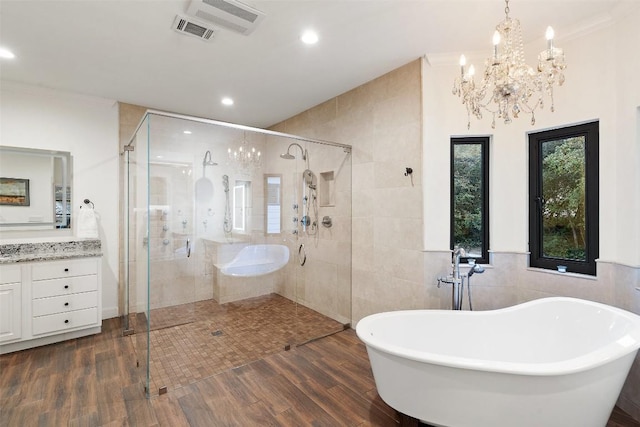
35, 189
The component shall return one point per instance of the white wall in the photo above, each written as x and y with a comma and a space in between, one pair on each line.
601, 84
88, 128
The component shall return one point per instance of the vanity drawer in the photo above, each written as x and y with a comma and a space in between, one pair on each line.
66, 268
64, 303
61, 321
57, 287
10, 274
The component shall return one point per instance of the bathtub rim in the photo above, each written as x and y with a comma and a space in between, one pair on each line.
601, 356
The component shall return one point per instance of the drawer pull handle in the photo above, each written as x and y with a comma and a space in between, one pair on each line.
66, 304
66, 321
66, 286
66, 270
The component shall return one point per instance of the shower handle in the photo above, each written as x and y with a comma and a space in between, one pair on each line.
302, 255
188, 248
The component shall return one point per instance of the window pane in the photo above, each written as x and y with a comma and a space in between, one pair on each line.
273, 203
563, 205
563, 199
238, 207
469, 204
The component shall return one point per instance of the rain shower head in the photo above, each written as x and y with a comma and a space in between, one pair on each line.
207, 160
290, 156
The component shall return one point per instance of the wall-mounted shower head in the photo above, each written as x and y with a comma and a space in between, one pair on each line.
290, 156
207, 160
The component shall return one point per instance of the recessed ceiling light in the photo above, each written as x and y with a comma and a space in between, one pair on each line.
187, 132
309, 37
227, 101
6, 53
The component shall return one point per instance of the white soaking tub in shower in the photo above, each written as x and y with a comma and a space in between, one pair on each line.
256, 260
549, 362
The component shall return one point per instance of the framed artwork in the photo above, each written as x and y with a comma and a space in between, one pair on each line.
14, 192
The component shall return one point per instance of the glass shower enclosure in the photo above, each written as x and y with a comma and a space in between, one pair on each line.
237, 245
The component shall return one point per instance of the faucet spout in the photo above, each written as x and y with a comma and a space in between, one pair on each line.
456, 297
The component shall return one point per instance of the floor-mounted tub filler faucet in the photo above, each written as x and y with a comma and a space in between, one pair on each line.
457, 253
455, 279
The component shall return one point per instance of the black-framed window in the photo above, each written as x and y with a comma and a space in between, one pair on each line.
563, 193
470, 197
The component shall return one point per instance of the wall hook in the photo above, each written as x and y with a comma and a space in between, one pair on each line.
409, 173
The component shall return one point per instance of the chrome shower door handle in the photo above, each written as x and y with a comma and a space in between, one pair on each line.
188, 248
302, 255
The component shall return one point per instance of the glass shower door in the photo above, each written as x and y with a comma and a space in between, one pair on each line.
322, 191
171, 285
136, 257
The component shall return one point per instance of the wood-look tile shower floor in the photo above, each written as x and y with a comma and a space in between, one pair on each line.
223, 336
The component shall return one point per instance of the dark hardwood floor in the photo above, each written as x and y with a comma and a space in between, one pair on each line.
92, 381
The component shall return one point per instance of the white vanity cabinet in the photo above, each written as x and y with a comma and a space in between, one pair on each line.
59, 300
64, 295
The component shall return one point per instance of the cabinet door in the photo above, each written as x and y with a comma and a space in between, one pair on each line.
10, 312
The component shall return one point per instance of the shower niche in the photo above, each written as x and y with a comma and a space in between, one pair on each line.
224, 246
327, 189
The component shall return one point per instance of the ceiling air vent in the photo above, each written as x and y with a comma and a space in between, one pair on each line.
230, 14
191, 27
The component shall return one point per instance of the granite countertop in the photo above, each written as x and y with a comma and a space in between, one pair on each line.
49, 250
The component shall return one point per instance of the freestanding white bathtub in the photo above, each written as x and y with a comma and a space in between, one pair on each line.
549, 362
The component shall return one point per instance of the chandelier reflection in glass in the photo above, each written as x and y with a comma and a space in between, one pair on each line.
509, 86
245, 157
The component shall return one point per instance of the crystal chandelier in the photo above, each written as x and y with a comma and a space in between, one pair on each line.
509, 86
245, 157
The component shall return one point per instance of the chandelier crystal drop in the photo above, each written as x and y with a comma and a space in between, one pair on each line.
244, 157
509, 86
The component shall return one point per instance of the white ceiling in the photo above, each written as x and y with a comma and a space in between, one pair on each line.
127, 50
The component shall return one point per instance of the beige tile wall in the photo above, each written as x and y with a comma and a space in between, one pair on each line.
382, 121
129, 117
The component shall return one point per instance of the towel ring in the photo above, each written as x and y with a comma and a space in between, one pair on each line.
88, 202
